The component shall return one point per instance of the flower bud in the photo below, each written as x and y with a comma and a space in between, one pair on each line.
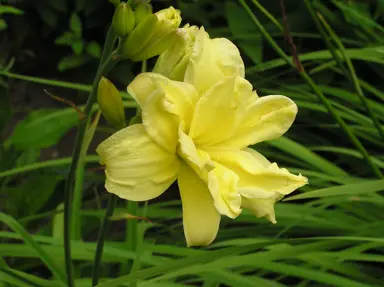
153, 35
123, 20
142, 11
111, 103
173, 62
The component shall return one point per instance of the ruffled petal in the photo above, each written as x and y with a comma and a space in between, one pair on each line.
136, 167
258, 178
217, 114
266, 118
211, 61
262, 207
165, 104
201, 220
222, 184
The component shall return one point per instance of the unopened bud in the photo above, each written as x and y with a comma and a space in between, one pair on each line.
142, 10
153, 35
123, 20
173, 62
111, 103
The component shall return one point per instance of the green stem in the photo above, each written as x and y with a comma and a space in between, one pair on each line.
79, 174
267, 14
100, 241
315, 89
103, 70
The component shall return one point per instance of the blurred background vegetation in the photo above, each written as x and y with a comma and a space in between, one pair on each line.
330, 233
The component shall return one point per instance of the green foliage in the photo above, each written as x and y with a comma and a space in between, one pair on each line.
330, 233
43, 128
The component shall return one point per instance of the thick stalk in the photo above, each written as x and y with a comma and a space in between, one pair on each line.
103, 70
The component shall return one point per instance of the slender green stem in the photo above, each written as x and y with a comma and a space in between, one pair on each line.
103, 70
100, 241
55, 83
79, 174
315, 89
267, 14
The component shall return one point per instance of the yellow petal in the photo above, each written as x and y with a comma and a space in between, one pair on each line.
211, 61
165, 104
217, 114
182, 96
228, 57
266, 118
160, 124
222, 184
136, 167
198, 160
258, 178
200, 218
261, 207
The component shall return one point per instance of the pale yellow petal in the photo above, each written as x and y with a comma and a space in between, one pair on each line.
136, 167
201, 220
228, 57
182, 96
211, 61
258, 178
222, 184
159, 123
199, 160
217, 114
261, 207
266, 118
165, 104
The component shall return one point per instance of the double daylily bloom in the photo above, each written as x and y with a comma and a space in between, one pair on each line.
197, 131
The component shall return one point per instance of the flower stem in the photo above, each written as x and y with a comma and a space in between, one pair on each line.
104, 69
100, 241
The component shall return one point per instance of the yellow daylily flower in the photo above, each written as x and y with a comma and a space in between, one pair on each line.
197, 132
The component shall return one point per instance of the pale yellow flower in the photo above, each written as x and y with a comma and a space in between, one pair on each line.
197, 132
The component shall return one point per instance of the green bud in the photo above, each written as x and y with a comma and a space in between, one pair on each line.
173, 62
123, 20
153, 35
142, 11
111, 103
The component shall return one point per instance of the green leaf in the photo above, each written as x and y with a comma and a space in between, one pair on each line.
66, 38
72, 62
93, 49
43, 128
75, 24
4, 9
366, 187
27, 157
3, 24
22, 279
47, 15
240, 24
300, 151
78, 47
31, 195
45, 257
